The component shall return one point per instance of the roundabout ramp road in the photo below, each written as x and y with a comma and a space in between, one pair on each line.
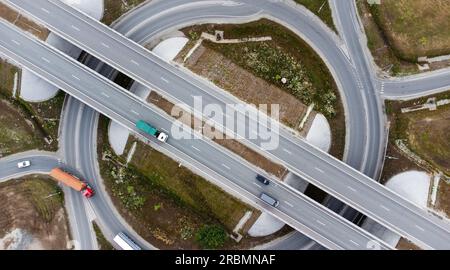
42, 163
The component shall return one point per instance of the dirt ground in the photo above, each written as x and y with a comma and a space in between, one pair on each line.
426, 133
23, 23
32, 215
404, 244
319, 86
7, 73
396, 163
244, 85
231, 144
115, 8
321, 9
384, 56
443, 198
17, 133
167, 204
399, 32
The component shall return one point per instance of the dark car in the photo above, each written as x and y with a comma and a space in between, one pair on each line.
262, 179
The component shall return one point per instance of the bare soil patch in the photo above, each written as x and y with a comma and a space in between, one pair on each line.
244, 85
35, 205
426, 133
165, 203
415, 28
443, 198
116, 8
404, 244
7, 74
286, 55
321, 9
231, 144
17, 133
23, 23
398, 32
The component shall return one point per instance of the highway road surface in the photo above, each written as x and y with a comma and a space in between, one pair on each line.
80, 149
328, 173
334, 232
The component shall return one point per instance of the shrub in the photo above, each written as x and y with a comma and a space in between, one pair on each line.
211, 236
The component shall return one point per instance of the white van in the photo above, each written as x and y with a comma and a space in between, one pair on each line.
269, 200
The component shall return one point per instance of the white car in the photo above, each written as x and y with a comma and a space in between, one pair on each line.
162, 137
23, 164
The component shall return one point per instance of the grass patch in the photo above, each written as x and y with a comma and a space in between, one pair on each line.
398, 32
103, 243
166, 204
190, 189
46, 196
43, 193
415, 28
287, 55
7, 73
17, 132
116, 8
48, 114
321, 8
42, 117
35, 205
14, 17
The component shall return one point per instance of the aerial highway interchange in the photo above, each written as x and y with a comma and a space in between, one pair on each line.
359, 86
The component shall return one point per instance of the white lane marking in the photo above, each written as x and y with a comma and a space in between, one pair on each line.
319, 170
104, 94
134, 62
287, 151
105, 45
135, 112
45, 59
288, 203
226, 166
356, 244
45, 10
15, 41
385, 208
76, 77
74, 27
195, 148
165, 80
420, 228
352, 189
257, 185
320, 222
163, 129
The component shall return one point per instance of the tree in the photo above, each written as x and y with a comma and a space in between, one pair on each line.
211, 236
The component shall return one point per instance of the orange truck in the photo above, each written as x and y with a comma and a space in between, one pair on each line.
72, 181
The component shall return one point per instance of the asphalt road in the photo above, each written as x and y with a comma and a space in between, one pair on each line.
79, 142
334, 232
315, 166
42, 163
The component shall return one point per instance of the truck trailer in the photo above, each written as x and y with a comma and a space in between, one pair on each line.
149, 129
125, 242
72, 181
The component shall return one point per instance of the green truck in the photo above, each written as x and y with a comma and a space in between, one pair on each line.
149, 129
